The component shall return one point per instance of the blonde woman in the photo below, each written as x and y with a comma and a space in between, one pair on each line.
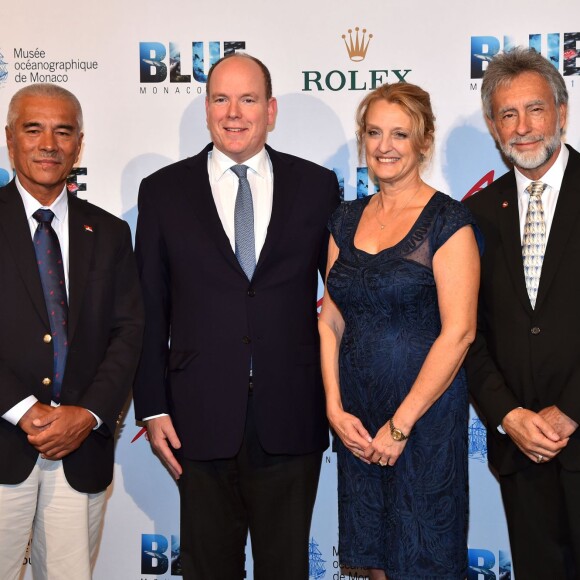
397, 320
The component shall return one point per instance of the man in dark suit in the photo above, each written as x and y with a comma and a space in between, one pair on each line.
524, 367
238, 388
70, 338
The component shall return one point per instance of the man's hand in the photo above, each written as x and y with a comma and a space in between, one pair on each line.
534, 436
61, 431
37, 411
161, 434
560, 422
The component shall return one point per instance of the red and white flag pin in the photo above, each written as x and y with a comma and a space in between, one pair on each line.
88, 228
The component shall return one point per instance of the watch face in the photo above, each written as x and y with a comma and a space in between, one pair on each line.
397, 434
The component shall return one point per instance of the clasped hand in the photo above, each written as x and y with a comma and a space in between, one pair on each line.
382, 449
540, 436
56, 431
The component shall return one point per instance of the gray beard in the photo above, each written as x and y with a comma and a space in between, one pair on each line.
532, 160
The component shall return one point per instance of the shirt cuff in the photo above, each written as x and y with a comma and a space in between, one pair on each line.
99, 422
155, 416
16, 413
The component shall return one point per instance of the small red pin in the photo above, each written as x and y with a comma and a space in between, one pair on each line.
504, 204
88, 228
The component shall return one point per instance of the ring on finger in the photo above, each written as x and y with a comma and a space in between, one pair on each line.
540, 458
383, 463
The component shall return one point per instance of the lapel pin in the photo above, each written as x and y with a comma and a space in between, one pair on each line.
504, 204
88, 228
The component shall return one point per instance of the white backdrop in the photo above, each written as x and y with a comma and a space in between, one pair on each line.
138, 69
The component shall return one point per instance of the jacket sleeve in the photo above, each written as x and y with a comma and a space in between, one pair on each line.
149, 390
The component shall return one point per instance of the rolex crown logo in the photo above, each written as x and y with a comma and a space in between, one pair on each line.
357, 47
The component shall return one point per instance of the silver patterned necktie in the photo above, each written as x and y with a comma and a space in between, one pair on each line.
534, 242
244, 223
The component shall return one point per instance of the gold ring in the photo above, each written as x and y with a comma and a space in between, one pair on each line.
540, 458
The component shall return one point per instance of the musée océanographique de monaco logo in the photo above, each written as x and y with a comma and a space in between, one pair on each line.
3, 69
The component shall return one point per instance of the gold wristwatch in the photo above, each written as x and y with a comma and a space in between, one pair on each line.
396, 434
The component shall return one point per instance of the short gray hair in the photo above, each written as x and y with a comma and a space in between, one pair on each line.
504, 67
48, 90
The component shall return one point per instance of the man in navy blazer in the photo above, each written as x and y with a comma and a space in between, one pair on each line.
229, 381
524, 366
56, 447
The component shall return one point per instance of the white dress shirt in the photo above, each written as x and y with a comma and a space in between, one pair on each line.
224, 187
60, 225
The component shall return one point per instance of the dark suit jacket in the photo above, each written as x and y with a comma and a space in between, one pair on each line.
522, 356
105, 332
197, 295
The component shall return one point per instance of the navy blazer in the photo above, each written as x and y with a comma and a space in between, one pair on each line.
104, 334
522, 356
205, 321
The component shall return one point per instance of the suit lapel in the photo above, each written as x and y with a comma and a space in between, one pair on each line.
200, 196
565, 220
203, 205
17, 233
509, 226
81, 233
283, 198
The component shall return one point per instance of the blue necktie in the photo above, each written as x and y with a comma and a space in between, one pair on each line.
244, 223
50, 267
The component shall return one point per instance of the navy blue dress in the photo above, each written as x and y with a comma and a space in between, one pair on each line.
409, 519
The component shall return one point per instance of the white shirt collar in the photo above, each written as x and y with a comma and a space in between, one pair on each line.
221, 163
59, 206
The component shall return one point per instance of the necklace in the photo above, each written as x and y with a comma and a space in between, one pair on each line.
399, 210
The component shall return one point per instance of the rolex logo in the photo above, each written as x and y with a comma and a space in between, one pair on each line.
357, 47
357, 43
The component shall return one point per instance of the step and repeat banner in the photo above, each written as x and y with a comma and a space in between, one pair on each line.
139, 69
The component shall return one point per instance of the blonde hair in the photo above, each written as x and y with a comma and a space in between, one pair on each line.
415, 102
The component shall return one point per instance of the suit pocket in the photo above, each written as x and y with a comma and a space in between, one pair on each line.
180, 359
